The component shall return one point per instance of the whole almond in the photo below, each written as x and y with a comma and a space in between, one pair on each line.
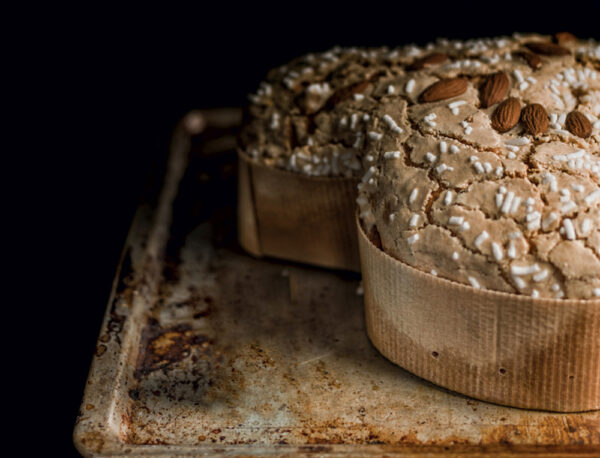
533, 60
507, 115
535, 119
429, 61
444, 89
546, 48
563, 37
578, 124
494, 89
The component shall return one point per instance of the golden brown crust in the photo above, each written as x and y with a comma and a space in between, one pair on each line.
520, 183
476, 190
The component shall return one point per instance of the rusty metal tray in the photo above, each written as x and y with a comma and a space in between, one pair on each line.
206, 350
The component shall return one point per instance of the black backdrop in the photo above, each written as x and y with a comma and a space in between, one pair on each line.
129, 75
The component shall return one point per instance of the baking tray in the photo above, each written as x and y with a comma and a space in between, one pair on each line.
205, 350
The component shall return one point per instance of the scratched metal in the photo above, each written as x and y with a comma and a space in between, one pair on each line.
205, 350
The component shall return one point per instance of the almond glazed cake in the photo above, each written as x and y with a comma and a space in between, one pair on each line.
300, 156
482, 166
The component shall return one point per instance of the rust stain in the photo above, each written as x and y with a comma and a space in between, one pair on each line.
338, 431
126, 274
324, 374
100, 350
89, 406
126, 418
552, 431
262, 356
155, 442
319, 449
123, 297
93, 441
163, 347
125, 282
115, 325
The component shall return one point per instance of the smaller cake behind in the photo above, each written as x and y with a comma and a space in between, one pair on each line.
300, 156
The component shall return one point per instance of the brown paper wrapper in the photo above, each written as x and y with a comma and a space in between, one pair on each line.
505, 348
297, 217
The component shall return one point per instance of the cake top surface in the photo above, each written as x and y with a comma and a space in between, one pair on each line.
310, 116
484, 168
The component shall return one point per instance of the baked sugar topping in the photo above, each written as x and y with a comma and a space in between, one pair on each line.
471, 156
505, 209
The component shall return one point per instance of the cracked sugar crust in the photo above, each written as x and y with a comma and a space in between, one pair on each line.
311, 116
512, 211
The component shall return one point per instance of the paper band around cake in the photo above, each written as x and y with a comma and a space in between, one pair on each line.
297, 217
509, 349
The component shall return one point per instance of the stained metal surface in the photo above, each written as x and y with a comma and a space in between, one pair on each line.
205, 350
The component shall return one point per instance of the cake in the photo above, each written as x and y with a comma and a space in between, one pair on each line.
493, 177
301, 154
479, 220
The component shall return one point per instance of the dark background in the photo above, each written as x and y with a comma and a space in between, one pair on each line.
123, 78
